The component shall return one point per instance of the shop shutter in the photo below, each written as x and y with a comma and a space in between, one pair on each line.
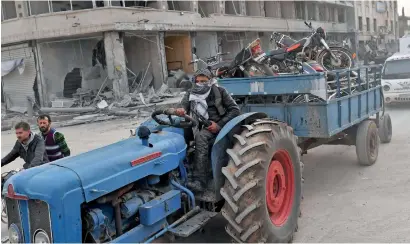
17, 87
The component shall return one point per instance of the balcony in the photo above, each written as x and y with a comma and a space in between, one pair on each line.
72, 23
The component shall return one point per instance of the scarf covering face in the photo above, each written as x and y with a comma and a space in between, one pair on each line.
199, 93
198, 101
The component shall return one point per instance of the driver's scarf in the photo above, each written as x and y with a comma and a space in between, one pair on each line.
197, 98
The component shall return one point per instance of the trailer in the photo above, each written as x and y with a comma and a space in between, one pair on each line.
346, 111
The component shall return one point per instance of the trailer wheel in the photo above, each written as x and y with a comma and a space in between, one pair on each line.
385, 128
262, 189
367, 143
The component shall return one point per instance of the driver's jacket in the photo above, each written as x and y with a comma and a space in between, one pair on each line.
221, 106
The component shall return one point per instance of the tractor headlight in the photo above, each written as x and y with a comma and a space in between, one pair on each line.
14, 234
41, 237
386, 88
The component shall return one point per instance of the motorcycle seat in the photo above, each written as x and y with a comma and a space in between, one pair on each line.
287, 41
221, 65
278, 54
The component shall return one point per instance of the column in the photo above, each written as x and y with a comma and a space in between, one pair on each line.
242, 7
115, 58
21, 9
317, 10
220, 7
194, 6
162, 55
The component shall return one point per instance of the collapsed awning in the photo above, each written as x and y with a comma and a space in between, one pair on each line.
9, 66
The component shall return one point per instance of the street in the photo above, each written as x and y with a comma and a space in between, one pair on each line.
343, 202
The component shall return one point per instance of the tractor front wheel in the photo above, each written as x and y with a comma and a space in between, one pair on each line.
262, 189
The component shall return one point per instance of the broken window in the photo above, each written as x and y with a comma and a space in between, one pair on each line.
286, 9
341, 15
331, 14
272, 9
138, 4
253, 8
311, 11
179, 5
360, 24
116, 3
300, 10
232, 7
205, 8
78, 5
367, 24
59, 6
8, 10
72, 82
39, 7
322, 11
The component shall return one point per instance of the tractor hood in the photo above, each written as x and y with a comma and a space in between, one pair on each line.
47, 182
109, 168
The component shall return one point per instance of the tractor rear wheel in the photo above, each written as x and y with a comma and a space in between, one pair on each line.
263, 184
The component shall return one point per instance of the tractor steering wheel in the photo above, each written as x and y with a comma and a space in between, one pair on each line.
188, 123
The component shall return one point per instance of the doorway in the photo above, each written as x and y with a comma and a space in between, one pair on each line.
178, 53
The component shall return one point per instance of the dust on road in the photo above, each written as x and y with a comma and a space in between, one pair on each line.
343, 202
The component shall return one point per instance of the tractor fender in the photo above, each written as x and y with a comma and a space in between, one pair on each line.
222, 142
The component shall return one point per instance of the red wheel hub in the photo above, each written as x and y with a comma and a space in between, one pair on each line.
280, 187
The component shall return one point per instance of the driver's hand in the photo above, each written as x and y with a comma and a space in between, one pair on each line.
180, 112
214, 127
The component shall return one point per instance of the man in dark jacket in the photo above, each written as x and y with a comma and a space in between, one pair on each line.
29, 146
215, 105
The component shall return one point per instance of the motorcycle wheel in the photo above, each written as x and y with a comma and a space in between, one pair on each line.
257, 69
324, 58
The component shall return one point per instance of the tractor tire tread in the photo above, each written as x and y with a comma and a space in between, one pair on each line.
247, 161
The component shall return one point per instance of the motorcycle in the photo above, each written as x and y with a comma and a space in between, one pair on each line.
247, 63
313, 47
212, 63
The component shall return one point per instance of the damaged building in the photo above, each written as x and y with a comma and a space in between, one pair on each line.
60, 50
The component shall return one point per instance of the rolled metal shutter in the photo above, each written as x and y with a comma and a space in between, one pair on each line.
17, 87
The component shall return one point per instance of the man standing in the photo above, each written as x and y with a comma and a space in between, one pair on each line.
215, 105
56, 146
29, 146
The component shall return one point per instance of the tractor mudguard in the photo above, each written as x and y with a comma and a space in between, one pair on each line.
219, 157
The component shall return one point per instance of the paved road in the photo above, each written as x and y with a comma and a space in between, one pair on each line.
343, 202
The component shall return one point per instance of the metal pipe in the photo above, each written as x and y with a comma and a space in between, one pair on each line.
186, 190
68, 110
180, 220
118, 222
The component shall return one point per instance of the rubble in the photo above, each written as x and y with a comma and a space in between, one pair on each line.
88, 106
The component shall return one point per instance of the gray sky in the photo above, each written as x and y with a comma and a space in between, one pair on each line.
406, 5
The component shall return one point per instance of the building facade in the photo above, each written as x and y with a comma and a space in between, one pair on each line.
65, 45
404, 24
377, 20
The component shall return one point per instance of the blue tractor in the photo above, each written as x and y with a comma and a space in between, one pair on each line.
134, 190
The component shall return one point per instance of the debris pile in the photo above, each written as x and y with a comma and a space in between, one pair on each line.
88, 105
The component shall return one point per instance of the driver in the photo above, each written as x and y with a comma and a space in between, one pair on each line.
215, 105
29, 146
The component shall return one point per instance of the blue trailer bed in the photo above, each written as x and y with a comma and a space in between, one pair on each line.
330, 112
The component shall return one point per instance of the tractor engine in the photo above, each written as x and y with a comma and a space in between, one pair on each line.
111, 216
